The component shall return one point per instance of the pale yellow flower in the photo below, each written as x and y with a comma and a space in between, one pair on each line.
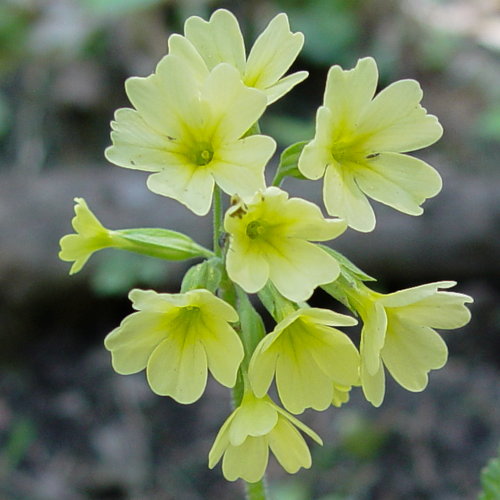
398, 333
359, 143
270, 239
177, 338
189, 133
309, 359
219, 40
253, 428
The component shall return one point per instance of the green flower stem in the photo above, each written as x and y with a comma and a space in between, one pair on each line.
218, 221
256, 491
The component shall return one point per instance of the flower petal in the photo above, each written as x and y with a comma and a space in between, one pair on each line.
178, 368
218, 40
221, 442
283, 86
297, 267
238, 168
400, 181
394, 120
184, 49
373, 385
411, 351
373, 335
261, 369
272, 54
414, 294
343, 198
289, 447
247, 461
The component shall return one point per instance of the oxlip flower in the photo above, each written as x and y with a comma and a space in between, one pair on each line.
253, 428
177, 338
189, 133
399, 334
360, 143
90, 236
313, 362
270, 239
219, 40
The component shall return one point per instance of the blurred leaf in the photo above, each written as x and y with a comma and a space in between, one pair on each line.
118, 7
5, 115
20, 438
290, 490
488, 124
490, 480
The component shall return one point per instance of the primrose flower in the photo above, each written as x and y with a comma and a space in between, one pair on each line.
256, 426
359, 143
309, 359
91, 236
189, 133
177, 338
219, 40
398, 333
270, 240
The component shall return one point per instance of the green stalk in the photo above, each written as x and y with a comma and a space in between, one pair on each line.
253, 491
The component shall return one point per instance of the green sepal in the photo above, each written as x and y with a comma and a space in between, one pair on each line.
278, 306
288, 165
490, 480
206, 274
252, 329
349, 270
156, 242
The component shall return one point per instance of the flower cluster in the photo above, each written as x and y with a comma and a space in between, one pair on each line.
194, 128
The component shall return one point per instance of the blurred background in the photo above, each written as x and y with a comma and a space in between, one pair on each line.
72, 429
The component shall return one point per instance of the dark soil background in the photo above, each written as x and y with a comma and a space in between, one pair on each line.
72, 429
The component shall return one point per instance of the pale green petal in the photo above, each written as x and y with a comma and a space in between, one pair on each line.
85, 222
317, 154
283, 86
238, 167
254, 418
218, 40
373, 334
178, 368
334, 353
394, 120
297, 267
305, 221
348, 93
289, 447
327, 317
151, 301
212, 305
132, 343
224, 351
272, 54
247, 267
414, 294
301, 384
373, 385
221, 442
262, 368
343, 198
235, 107
247, 461
400, 181
411, 351
444, 310
184, 49
192, 186
300, 425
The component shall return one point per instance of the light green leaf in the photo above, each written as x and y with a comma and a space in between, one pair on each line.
206, 274
348, 269
490, 480
288, 165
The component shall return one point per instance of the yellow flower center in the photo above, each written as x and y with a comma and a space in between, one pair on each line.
255, 229
202, 154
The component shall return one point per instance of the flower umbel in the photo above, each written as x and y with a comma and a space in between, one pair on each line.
189, 133
177, 338
398, 333
219, 40
253, 428
270, 239
308, 357
359, 143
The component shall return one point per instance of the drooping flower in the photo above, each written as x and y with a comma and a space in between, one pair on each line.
219, 40
270, 239
309, 358
253, 428
90, 236
399, 333
177, 338
189, 133
359, 146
